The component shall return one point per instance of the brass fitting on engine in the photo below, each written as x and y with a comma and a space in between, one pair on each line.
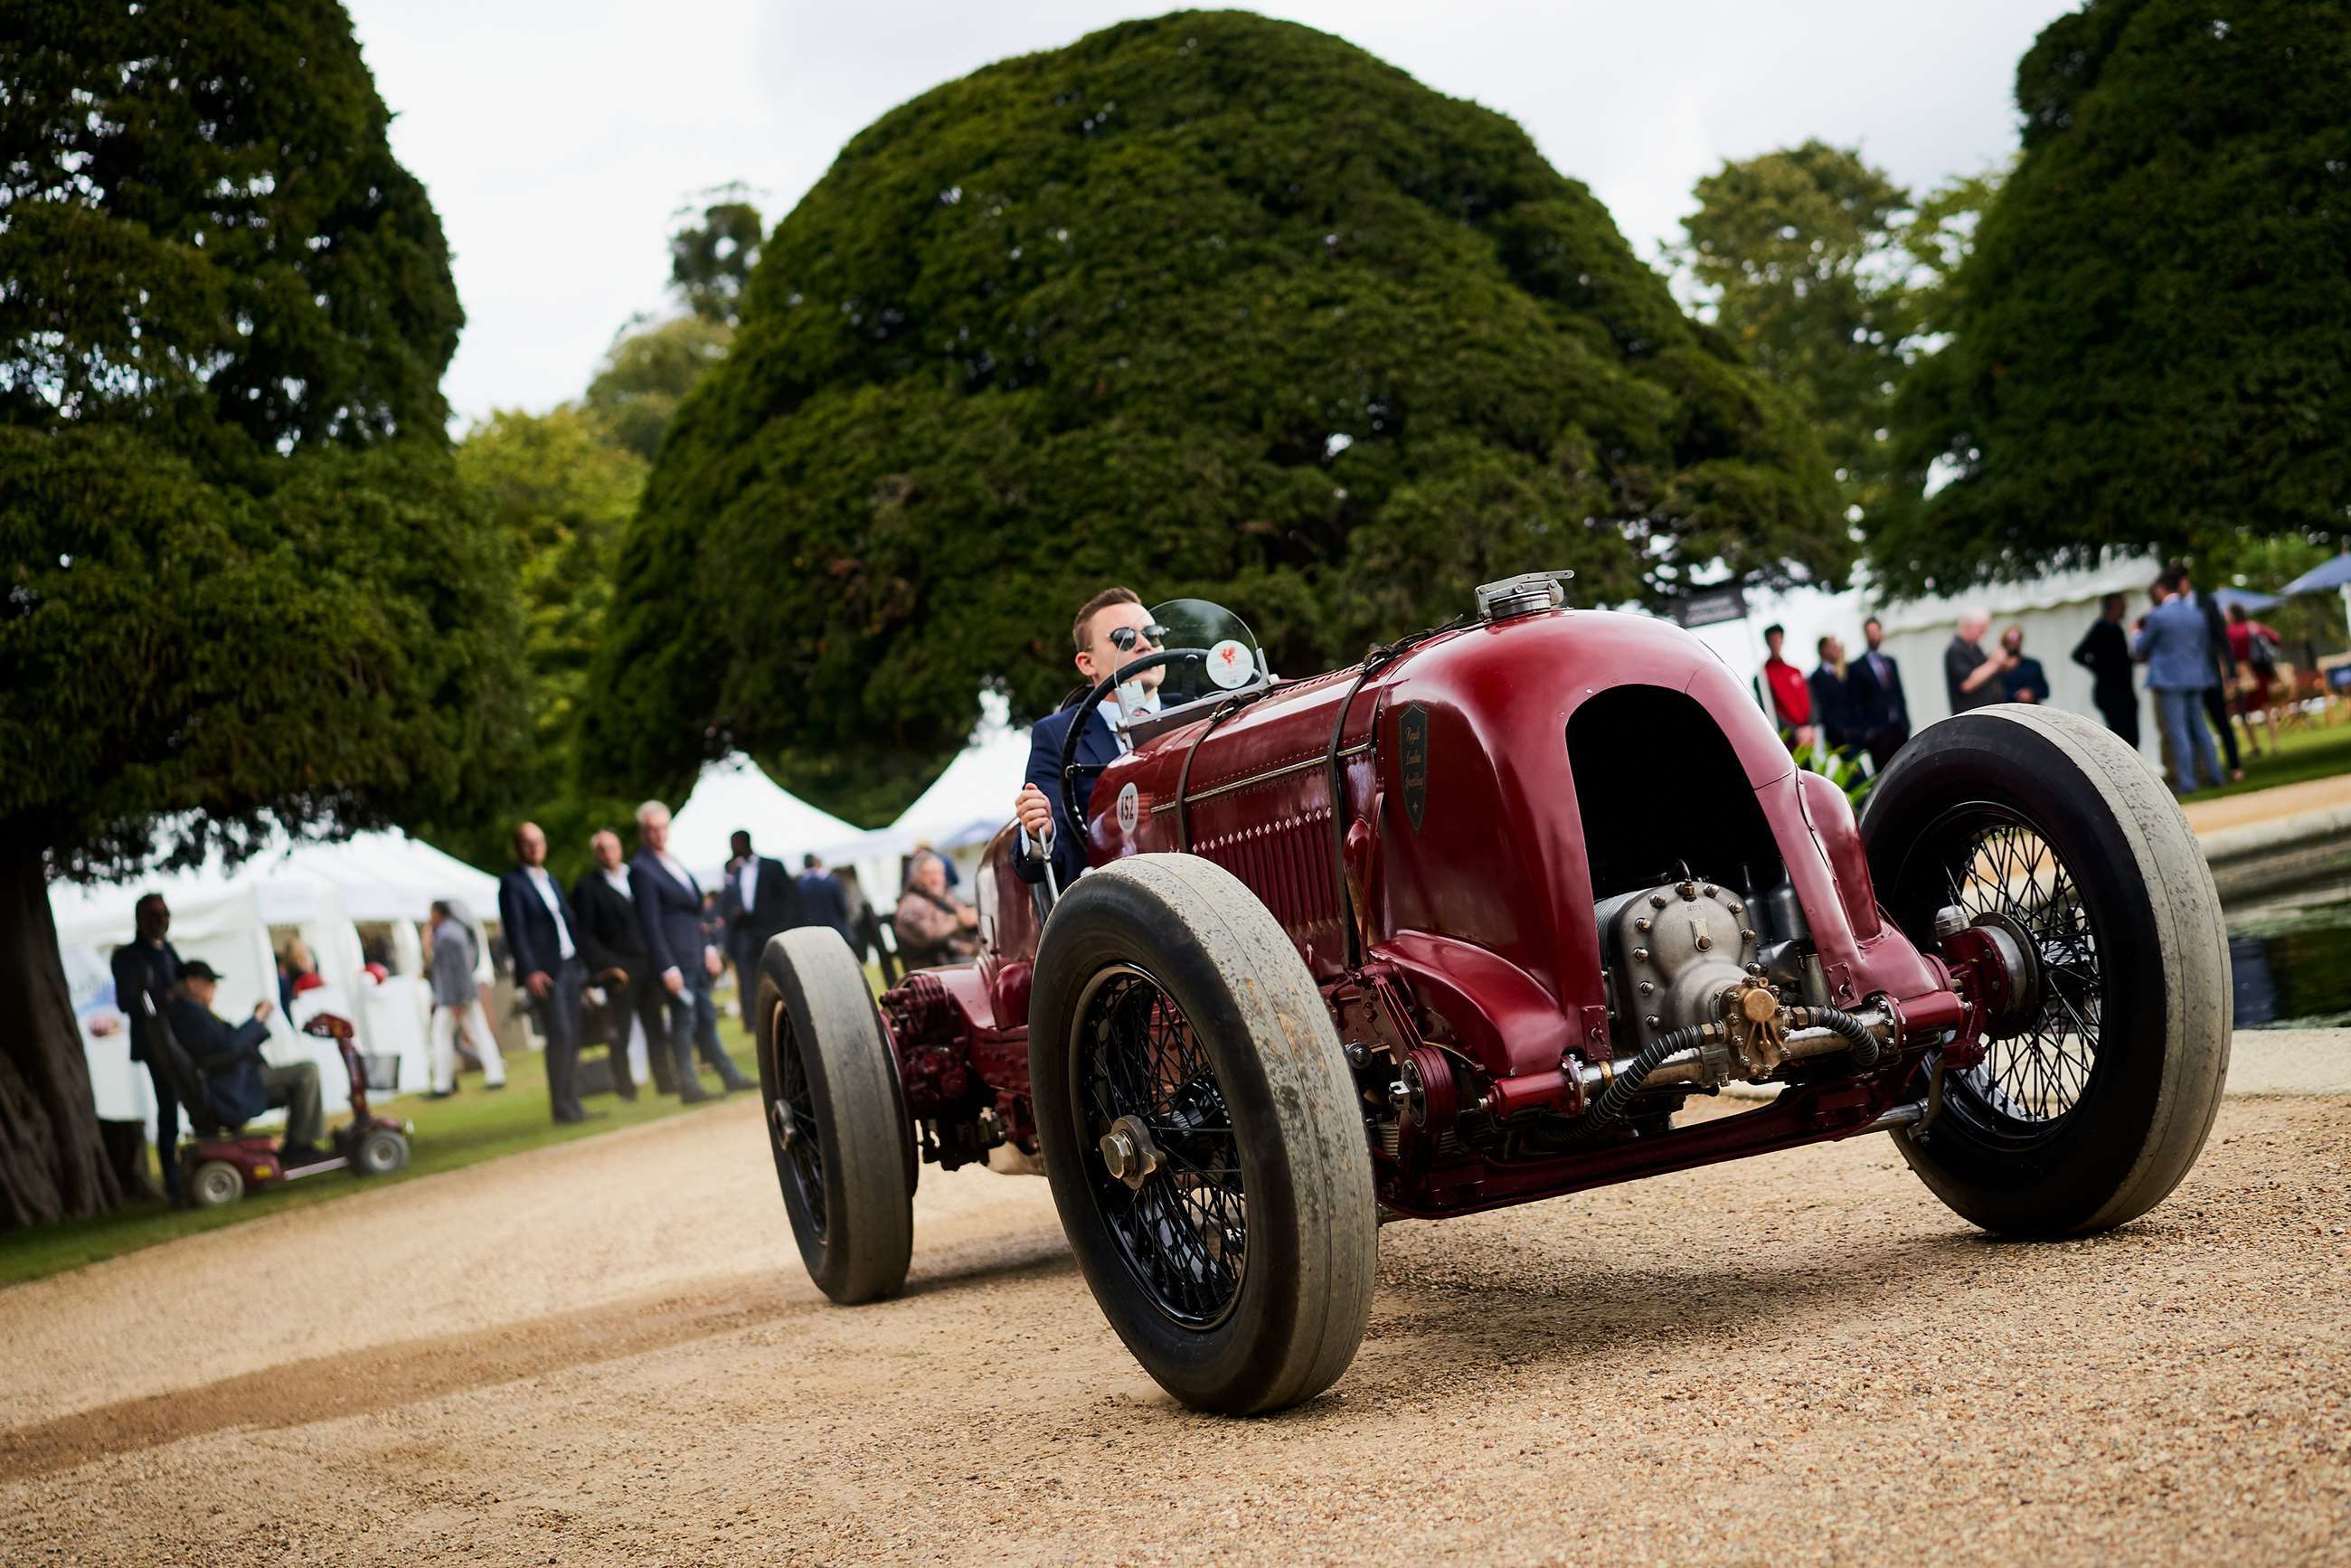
1752, 1016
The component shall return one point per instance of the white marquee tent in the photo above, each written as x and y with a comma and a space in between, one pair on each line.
966, 804
736, 792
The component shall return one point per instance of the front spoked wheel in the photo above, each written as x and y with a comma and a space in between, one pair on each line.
1201, 1134
1167, 1185
1999, 868
2096, 1092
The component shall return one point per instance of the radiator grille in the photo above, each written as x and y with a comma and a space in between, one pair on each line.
1286, 862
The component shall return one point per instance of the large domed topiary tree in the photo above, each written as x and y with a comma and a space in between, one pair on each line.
2151, 344
1208, 303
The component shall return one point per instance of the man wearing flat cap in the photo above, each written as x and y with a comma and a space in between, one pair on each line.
240, 1082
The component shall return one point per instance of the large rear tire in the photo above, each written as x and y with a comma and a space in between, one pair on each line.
2090, 1112
836, 1117
1202, 1135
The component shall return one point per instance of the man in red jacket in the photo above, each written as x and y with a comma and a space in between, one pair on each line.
1791, 699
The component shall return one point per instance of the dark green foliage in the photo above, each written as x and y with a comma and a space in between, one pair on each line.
711, 259
206, 234
1800, 252
2153, 335
646, 375
242, 578
1208, 303
329, 653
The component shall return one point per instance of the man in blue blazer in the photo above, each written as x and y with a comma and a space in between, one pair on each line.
544, 938
1112, 629
669, 913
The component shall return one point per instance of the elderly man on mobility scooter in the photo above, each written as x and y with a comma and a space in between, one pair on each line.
241, 1083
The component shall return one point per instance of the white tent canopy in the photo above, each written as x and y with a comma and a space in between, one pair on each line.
965, 805
736, 793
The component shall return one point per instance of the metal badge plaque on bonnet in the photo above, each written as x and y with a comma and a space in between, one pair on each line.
1412, 760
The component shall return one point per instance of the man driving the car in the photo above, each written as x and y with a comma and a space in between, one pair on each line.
1112, 629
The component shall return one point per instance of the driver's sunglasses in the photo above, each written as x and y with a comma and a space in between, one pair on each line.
1124, 638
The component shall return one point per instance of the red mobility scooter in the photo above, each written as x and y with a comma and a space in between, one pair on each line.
224, 1163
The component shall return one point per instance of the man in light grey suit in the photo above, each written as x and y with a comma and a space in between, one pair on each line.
669, 913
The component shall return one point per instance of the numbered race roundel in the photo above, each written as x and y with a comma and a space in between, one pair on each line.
1230, 664
1129, 810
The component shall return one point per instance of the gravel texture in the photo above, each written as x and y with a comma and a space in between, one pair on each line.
607, 1352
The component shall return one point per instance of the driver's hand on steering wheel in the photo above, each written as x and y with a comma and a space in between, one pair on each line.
1034, 812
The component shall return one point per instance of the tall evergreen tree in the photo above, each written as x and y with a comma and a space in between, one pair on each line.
711, 254
1799, 254
242, 585
2152, 339
1207, 303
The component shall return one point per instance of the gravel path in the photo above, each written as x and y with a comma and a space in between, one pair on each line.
607, 1352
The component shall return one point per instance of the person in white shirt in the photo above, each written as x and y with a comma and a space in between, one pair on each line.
760, 899
539, 929
457, 1003
615, 951
669, 915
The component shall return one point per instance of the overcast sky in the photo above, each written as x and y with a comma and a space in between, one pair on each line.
556, 137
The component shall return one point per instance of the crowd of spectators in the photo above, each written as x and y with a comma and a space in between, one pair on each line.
1844, 708
2204, 669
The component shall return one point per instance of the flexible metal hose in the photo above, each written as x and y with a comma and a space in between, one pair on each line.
1609, 1108
1853, 1031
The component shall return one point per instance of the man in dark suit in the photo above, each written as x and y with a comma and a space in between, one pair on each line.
1112, 630
147, 963
669, 917
540, 929
759, 901
1880, 709
616, 966
1831, 692
240, 1082
2104, 652
822, 900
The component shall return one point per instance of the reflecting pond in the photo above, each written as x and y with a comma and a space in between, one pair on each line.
2292, 966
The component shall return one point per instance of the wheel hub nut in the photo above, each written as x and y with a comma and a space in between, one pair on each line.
1128, 1152
787, 1131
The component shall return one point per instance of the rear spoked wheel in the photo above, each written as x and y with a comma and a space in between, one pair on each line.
1201, 1135
836, 1123
2095, 1095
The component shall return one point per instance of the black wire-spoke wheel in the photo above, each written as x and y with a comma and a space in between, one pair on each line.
1998, 868
2103, 1065
836, 1115
1201, 1134
1167, 1180
791, 1117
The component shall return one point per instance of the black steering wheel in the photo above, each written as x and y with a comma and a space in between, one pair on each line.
1093, 699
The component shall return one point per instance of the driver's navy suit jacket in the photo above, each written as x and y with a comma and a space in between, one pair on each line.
1097, 748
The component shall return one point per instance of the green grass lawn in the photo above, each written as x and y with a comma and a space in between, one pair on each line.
2303, 753
450, 1135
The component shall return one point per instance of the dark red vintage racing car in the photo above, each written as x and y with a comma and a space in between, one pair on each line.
1466, 925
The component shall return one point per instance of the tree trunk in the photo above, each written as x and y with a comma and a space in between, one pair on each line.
53, 1162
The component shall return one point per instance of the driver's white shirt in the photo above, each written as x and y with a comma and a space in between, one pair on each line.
1115, 717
